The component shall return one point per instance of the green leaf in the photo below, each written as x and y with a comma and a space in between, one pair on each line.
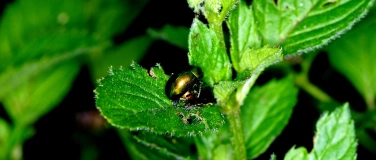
25, 21
256, 60
174, 35
33, 98
223, 90
133, 99
53, 44
244, 35
41, 64
334, 139
172, 147
135, 149
122, 55
205, 53
254, 64
297, 153
301, 26
215, 145
353, 55
5, 133
265, 112
111, 17
273, 157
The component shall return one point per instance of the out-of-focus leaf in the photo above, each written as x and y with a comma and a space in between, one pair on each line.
112, 16
177, 36
40, 55
334, 139
301, 26
33, 98
265, 113
5, 133
353, 56
133, 99
24, 21
122, 55
204, 52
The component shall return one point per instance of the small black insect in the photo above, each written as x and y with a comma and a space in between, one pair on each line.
187, 87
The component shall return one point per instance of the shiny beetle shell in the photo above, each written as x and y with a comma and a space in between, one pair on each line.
183, 84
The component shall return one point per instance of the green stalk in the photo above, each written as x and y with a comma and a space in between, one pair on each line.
236, 129
13, 146
302, 81
232, 110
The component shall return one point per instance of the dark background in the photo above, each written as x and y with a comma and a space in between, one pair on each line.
60, 135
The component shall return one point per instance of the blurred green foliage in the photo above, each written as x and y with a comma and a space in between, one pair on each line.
43, 46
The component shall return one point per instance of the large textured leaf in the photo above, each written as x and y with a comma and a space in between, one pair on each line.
265, 112
301, 26
133, 99
204, 52
334, 139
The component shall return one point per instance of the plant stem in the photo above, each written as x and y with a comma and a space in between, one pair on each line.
232, 109
369, 99
302, 81
237, 133
13, 145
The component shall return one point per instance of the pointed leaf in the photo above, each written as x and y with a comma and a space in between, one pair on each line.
204, 52
135, 100
301, 26
334, 139
265, 113
297, 153
243, 31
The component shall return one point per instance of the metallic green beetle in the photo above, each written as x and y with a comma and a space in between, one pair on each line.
185, 86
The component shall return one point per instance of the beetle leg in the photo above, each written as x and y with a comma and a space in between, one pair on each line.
199, 89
